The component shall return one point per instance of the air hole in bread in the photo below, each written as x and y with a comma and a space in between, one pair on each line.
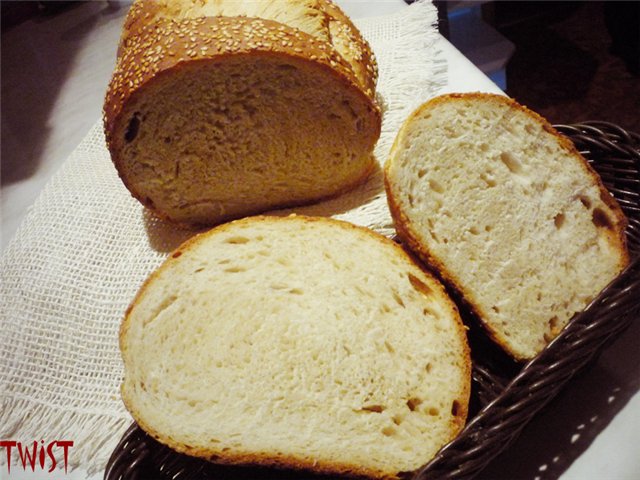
429, 312
488, 228
132, 129
389, 347
397, 419
235, 269
474, 231
428, 367
488, 179
584, 200
451, 132
419, 285
198, 270
287, 67
436, 186
554, 328
176, 254
495, 309
296, 291
601, 219
413, 403
433, 411
397, 298
388, 431
511, 162
422, 172
237, 240
484, 147
455, 408
373, 408
164, 305
558, 220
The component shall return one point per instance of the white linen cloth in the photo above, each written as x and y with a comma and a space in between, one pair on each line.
86, 246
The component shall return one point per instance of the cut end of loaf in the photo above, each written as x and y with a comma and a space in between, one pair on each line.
303, 343
508, 212
216, 118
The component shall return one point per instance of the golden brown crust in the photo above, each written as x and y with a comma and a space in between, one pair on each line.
361, 56
243, 458
357, 52
408, 235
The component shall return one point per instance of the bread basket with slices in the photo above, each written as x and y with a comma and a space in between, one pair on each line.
505, 395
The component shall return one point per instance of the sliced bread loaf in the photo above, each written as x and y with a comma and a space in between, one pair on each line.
507, 211
213, 118
296, 342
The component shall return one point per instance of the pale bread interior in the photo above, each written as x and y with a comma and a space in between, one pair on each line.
297, 342
508, 213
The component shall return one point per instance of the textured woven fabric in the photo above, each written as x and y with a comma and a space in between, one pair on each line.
86, 246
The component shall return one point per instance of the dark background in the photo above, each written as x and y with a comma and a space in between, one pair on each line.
573, 61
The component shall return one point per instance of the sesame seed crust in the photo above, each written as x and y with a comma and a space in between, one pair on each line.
321, 19
165, 44
348, 40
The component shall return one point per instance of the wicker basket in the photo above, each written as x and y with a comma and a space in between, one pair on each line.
505, 395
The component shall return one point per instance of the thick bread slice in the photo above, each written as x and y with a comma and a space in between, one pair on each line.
210, 119
321, 19
507, 211
296, 342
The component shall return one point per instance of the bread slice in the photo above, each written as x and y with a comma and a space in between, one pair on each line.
321, 19
507, 211
296, 342
210, 119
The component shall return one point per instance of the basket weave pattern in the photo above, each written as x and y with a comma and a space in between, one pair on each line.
505, 396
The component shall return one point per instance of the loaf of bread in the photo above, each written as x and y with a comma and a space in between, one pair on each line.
298, 342
209, 118
508, 213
